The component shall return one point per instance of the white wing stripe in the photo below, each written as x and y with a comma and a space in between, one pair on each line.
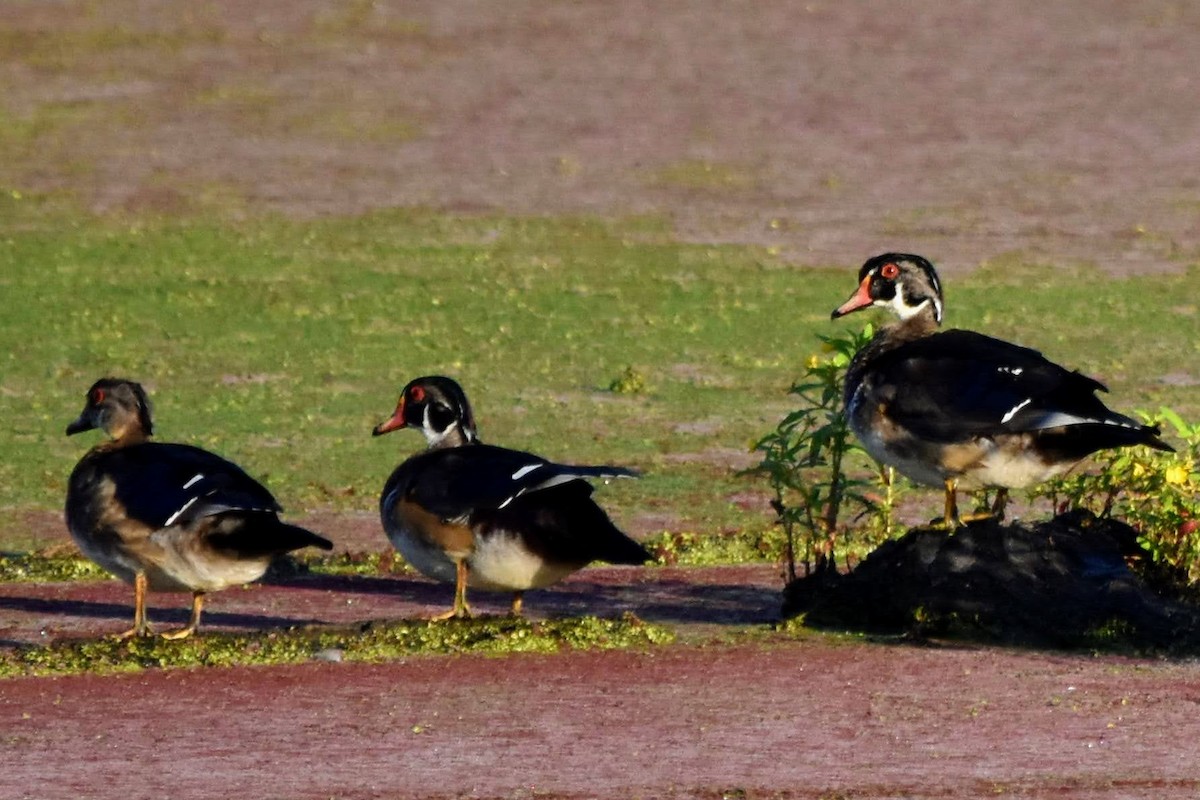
198, 476
523, 471
1012, 412
171, 519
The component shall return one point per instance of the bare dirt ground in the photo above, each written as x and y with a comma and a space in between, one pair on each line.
1060, 132
713, 716
786, 720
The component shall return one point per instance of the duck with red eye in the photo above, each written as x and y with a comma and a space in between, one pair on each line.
960, 408
168, 517
487, 517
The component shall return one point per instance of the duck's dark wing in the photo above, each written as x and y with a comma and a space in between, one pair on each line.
563, 524
958, 385
174, 484
454, 482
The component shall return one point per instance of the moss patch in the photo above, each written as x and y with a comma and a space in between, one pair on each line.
370, 642
694, 549
386, 562
48, 566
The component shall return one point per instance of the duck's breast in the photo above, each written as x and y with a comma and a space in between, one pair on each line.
503, 561
427, 543
100, 526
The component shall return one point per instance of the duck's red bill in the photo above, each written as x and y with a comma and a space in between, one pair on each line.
392, 423
860, 299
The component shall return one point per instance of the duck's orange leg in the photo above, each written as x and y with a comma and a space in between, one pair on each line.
193, 623
950, 520
460, 610
140, 626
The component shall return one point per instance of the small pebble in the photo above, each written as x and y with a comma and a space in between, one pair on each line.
329, 654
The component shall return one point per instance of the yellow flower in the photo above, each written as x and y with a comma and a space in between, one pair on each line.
1139, 470
1177, 475
813, 362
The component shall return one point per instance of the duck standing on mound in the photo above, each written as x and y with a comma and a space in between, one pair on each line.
488, 517
168, 517
959, 407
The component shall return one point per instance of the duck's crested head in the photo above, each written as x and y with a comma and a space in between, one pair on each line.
117, 406
905, 283
438, 406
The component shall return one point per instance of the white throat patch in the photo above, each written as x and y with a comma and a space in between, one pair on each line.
435, 437
904, 311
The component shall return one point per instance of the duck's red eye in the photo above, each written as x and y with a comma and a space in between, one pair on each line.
889, 271
416, 394
97, 397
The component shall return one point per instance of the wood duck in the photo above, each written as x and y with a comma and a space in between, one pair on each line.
488, 517
959, 407
168, 517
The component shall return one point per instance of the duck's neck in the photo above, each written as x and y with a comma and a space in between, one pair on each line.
915, 327
125, 437
454, 436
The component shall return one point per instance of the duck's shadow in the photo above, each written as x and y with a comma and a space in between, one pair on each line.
91, 609
669, 601
663, 601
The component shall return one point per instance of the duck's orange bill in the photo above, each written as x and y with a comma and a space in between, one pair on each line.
392, 423
860, 299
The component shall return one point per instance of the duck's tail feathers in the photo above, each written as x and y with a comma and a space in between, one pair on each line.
253, 535
302, 537
1079, 441
624, 550
598, 473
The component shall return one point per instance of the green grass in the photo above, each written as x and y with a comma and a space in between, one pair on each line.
280, 344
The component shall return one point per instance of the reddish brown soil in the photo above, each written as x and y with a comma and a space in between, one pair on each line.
812, 720
1057, 131
818, 718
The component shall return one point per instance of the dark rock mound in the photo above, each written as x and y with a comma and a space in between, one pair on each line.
1060, 583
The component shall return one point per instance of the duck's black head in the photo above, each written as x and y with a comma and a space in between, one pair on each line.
439, 407
117, 406
905, 283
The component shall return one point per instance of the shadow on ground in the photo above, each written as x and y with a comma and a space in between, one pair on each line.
718, 596
45, 608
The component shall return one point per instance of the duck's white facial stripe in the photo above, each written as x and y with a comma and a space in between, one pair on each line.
904, 311
900, 305
432, 435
